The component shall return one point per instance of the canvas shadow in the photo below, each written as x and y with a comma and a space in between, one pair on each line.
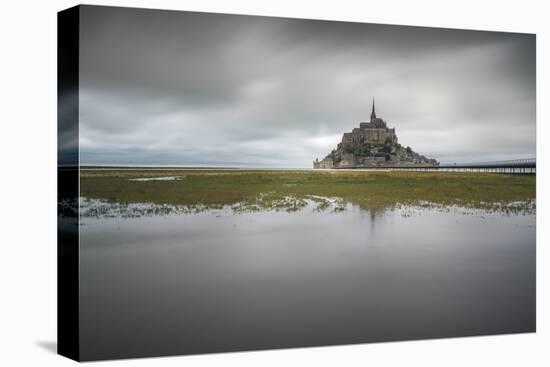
48, 345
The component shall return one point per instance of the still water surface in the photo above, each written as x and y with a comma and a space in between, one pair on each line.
219, 281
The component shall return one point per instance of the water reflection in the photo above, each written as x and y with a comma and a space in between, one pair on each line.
224, 279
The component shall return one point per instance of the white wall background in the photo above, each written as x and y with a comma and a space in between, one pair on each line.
28, 183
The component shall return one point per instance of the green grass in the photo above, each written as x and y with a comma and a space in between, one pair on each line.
268, 188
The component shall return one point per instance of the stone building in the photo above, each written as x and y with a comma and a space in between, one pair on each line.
325, 163
376, 131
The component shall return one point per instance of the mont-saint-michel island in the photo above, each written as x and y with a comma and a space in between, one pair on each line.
372, 144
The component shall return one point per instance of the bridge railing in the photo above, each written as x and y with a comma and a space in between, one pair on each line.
525, 162
520, 166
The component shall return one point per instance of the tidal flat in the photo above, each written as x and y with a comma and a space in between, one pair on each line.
255, 190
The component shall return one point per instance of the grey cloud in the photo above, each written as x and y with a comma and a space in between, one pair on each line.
162, 87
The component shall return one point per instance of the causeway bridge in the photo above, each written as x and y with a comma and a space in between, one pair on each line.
527, 166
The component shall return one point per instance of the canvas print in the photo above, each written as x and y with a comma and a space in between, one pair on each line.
233, 182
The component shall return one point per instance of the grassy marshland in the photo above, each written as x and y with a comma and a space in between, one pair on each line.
272, 188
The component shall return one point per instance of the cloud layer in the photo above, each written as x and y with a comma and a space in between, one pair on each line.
160, 87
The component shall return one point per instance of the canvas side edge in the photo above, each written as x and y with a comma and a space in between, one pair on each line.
68, 343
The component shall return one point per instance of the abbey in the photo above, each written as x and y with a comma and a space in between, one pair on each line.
371, 144
376, 131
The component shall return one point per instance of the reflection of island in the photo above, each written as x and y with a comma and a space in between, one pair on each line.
372, 144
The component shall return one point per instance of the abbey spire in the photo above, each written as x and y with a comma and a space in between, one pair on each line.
373, 113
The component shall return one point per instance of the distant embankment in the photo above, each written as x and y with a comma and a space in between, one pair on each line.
517, 166
154, 167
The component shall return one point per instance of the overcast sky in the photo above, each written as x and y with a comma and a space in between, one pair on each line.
159, 87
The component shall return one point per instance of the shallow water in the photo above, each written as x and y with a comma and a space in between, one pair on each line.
216, 280
167, 178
